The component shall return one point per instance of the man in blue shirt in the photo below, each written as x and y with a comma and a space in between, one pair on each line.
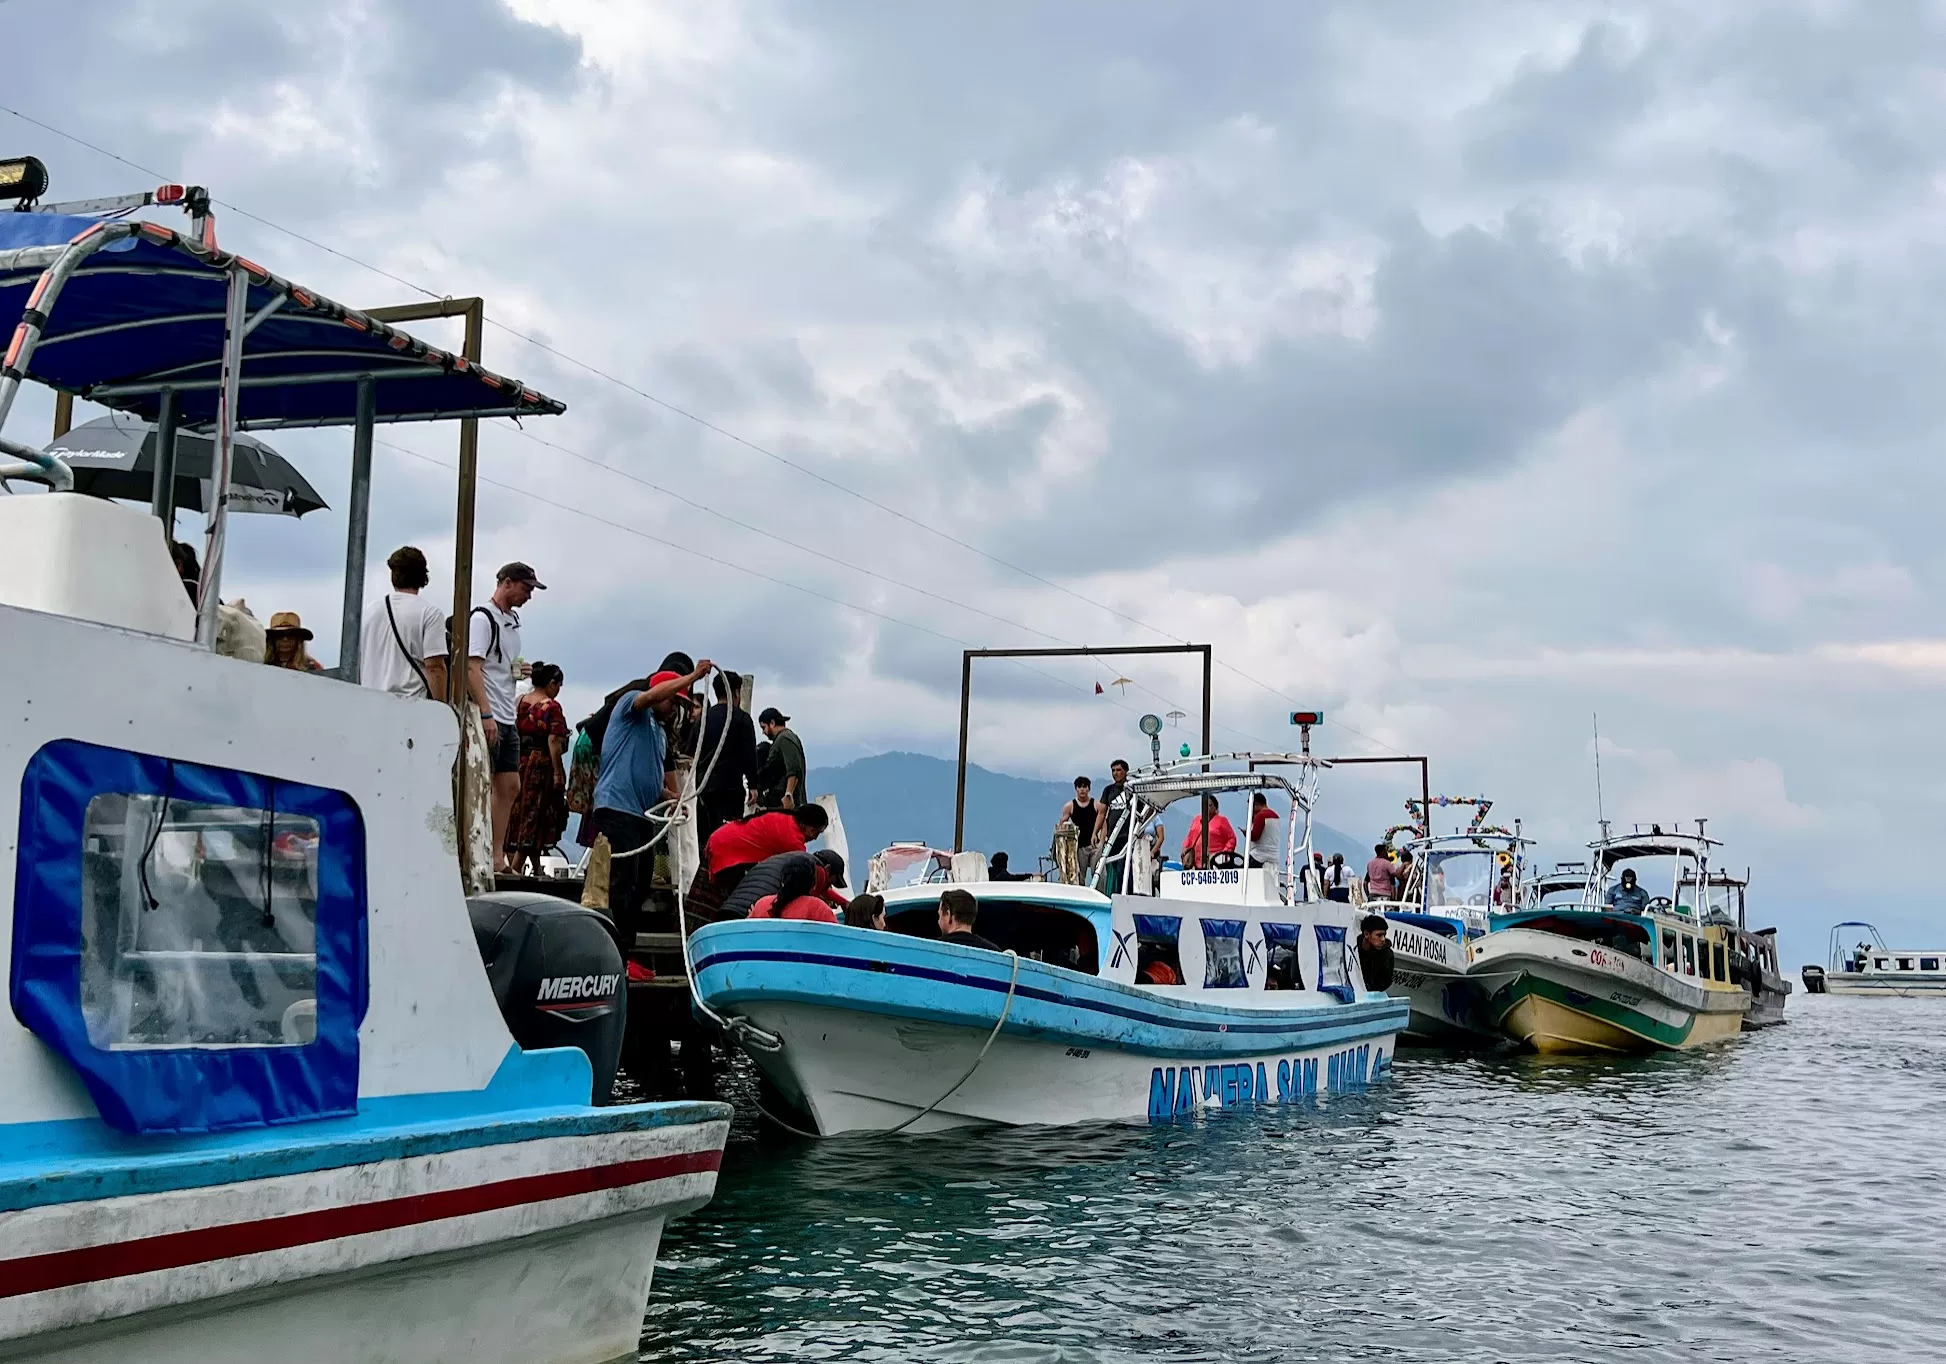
633, 758
1628, 898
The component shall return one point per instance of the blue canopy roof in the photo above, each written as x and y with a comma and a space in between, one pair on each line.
146, 313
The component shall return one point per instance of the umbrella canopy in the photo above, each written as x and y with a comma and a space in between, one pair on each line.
114, 456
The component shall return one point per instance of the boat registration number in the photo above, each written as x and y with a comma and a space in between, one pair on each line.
1221, 876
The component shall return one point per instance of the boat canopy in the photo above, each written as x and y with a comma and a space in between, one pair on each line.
1622, 847
1159, 790
144, 311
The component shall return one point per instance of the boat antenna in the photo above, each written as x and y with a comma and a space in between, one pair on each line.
1601, 815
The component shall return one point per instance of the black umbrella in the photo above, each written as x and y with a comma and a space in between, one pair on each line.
114, 456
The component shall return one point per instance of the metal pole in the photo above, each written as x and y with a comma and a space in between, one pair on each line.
1208, 743
63, 414
162, 487
358, 531
965, 705
1425, 794
220, 474
456, 663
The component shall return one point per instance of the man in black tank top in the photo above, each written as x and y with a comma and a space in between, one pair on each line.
1085, 813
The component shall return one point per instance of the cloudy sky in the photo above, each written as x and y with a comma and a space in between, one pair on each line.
1464, 369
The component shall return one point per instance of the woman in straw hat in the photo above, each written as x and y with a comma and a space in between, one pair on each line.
284, 641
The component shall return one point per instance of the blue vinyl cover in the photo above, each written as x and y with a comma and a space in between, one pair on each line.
165, 297
186, 1089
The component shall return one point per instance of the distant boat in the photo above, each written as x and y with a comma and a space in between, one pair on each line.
1869, 967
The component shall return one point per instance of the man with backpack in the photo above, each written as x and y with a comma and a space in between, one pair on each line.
492, 645
402, 645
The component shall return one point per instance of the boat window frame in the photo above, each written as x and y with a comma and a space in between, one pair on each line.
1720, 960
1688, 955
1219, 930
184, 1089
1671, 951
1929, 963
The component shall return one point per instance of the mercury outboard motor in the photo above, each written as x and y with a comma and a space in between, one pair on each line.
557, 975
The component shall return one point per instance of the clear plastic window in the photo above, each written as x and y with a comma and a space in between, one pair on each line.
1158, 956
1668, 949
1334, 972
1281, 968
1688, 955
1223, 955
198, 925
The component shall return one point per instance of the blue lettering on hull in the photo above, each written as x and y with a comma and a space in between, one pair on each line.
1176, 1090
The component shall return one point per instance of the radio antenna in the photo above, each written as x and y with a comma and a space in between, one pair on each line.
1601, 814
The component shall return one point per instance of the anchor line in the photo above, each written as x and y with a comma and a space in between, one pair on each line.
1005, 1008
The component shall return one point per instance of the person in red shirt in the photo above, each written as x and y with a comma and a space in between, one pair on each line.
1222, 835
740, 845
745, 842
803, 892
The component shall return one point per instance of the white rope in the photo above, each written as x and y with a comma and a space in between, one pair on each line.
1005, 1009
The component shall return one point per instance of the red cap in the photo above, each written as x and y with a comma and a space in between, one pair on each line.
660, 678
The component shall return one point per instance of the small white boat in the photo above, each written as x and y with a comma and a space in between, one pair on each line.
258, 1098
862, 1030
1869, 967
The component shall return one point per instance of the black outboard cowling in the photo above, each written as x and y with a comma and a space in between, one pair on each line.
557, 975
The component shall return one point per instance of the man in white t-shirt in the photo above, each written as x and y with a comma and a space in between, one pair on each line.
493, 643
402, 645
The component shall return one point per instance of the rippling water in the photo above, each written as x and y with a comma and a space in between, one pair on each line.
1782, 1197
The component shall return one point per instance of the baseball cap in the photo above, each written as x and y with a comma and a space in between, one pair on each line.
773, 716
834, 863
662, 677
520, 573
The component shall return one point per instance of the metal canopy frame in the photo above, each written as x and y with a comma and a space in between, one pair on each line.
966, 701
381, 353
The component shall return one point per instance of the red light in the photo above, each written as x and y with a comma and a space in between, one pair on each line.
1307, 717
170, 194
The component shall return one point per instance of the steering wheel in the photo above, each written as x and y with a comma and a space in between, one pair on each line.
1476, 899
1662, 902
1226, 861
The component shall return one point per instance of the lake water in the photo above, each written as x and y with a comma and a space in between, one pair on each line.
1782, 1197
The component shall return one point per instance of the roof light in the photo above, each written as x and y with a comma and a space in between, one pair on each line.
1307, 718
23, 177
170, 194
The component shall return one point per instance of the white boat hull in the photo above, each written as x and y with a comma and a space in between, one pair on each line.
526, 1253
854, 1071
1915, 986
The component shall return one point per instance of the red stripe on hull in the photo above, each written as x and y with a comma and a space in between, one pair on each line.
174, 1250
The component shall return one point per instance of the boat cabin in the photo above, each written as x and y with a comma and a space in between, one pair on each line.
1042, 921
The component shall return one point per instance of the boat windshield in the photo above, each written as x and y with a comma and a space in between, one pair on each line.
911, 865
1667, 881
1464, 876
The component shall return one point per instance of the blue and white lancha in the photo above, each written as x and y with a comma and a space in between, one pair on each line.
864, 1030
257, 1097
1457, 881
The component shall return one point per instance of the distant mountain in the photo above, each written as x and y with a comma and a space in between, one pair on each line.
908, 796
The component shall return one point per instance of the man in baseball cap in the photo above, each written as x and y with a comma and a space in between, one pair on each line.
780, 782
492, 646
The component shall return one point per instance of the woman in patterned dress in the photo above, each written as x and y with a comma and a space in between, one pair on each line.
540, 816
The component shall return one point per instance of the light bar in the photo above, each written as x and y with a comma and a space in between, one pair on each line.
170, 194
23, 178
1307, 718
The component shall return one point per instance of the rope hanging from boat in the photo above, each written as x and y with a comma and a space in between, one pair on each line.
1006, 1008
